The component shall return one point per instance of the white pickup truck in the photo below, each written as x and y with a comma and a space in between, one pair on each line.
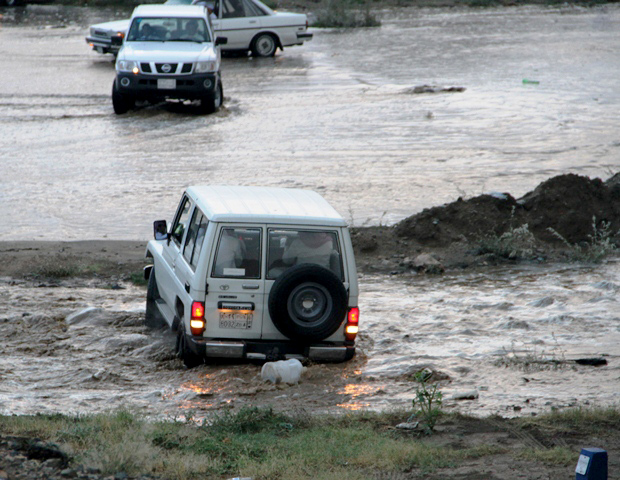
169, 53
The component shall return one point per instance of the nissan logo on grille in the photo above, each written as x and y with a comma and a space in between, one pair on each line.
164, 67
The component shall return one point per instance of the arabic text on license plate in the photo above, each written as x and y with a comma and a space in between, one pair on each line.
166, 83
241, 321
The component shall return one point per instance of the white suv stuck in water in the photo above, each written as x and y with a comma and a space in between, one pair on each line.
254, 273
169, 53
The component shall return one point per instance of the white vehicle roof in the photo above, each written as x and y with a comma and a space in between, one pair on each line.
183, 11
264, 205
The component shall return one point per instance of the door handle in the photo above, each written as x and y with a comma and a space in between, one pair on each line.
252, 21
250, 287
187, 287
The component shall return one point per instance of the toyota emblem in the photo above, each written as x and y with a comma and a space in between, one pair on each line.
166, 68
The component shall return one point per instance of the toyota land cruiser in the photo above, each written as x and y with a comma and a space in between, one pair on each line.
254, 273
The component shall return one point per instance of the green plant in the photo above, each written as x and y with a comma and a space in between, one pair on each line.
345, 14
516, 243
428, 400
58, 266
599, 245
532, 360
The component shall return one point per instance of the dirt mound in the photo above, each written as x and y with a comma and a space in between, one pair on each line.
461, 220
568, 204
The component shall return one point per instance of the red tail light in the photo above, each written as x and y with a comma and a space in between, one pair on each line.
351, 328
197, 321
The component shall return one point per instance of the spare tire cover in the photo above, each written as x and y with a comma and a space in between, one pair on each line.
307, 303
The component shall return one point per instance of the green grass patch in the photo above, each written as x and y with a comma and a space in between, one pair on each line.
253, 442
261, 443
554, 456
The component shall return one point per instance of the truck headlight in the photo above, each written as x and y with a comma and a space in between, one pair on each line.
126, 65
203, 67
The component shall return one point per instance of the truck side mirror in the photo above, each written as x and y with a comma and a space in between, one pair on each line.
221, 41
160, 230
116, 40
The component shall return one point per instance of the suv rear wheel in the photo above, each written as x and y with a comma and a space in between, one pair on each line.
307, 303
190, 359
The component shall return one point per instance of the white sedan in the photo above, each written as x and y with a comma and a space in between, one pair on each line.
249, 25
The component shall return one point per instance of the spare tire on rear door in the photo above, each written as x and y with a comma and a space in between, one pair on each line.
307, 303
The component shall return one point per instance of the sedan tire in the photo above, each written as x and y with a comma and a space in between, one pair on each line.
264, 45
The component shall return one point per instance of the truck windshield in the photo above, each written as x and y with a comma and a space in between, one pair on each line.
168, 29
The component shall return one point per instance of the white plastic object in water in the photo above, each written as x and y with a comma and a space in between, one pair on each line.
282, 371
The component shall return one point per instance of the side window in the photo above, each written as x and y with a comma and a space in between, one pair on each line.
238, 253
293, 247
251, 9
195, 238
232, 9
180, 222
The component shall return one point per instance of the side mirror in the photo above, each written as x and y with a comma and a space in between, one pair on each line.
160, 230
221, 41
116, 40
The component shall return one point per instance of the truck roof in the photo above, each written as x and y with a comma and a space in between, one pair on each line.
183, 11
264, 205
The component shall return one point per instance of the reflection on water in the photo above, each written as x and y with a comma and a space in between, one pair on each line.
475, 330
315, 116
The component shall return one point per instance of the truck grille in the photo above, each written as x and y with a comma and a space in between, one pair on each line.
185, 68
169, 68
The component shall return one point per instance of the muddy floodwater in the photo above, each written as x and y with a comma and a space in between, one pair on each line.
336, 115
475, 331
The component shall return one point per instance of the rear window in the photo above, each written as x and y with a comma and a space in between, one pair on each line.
287, 248
238, 253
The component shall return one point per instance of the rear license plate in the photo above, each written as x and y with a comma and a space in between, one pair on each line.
166, 83
241, 321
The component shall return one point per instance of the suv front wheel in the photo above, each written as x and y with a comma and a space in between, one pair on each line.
212, 103
121, 103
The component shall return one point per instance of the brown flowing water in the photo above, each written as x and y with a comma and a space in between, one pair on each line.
474, 330
336, 115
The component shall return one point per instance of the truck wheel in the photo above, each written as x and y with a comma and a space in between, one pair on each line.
307, 303
121, 103
190, 359
152, 317
212, 103
264, 45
